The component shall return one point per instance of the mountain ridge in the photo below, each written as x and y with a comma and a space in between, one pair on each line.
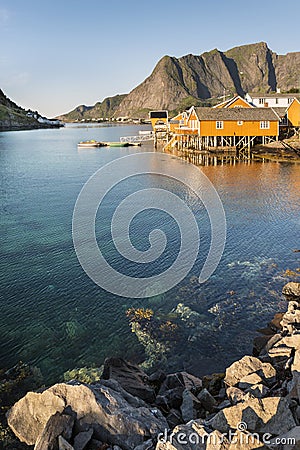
178, 83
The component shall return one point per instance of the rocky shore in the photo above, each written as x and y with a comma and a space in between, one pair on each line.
255, 404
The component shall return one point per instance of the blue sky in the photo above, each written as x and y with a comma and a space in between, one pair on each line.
56, 55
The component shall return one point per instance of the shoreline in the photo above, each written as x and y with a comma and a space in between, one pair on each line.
263, 390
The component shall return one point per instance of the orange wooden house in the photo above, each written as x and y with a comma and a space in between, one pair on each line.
293, 114
203, 127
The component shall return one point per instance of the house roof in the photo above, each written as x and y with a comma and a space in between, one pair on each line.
272, 95
281, 111
246, 114
231, 100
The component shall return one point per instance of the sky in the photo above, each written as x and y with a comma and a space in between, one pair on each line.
56, 55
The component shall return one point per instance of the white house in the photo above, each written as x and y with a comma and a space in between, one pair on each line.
270, 100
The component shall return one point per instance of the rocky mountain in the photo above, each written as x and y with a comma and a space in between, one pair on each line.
177, 83
14, 117
104, 109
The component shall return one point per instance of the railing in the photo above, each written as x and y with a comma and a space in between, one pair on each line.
140, 138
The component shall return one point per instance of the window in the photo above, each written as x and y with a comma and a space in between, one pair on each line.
219, 124
240, 122
264, 124
194, 124
261, 101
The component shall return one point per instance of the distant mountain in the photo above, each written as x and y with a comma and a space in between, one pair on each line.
177, 83
101, 110
14, 117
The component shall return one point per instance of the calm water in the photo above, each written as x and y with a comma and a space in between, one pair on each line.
53, 316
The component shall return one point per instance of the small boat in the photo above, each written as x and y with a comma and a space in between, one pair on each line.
91, 143
117, 144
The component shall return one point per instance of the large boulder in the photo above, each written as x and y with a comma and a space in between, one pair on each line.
130, 377
28, 417
291, 290
116, 417
268, 415
246, 366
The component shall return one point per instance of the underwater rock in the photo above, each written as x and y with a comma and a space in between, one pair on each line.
84, 374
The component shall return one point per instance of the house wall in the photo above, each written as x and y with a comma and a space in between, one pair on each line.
231, 128
294, 114
273, 102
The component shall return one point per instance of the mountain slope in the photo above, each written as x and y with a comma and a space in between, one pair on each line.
190, 79
14, 117
103, 109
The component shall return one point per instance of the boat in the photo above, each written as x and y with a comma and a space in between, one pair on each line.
117, 144
91, 143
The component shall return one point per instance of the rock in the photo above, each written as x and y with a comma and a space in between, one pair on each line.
130, 377
190, 406
169, 400
292, 341
271, 342
250, 380
296, 362
148, 445
181, 380
96, 445
235, 395
246, 441
174, 418
216, 441
224, 404
28, 424
192, 436
116, 416
213, 383
298, 413
259, 344
207, 400
279, 353
269, 415
157, 377
57, 425
291, 319
170, 393
294, 386
258, 390
291, 289
275, 322
246, 366
62, 444
82, 439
